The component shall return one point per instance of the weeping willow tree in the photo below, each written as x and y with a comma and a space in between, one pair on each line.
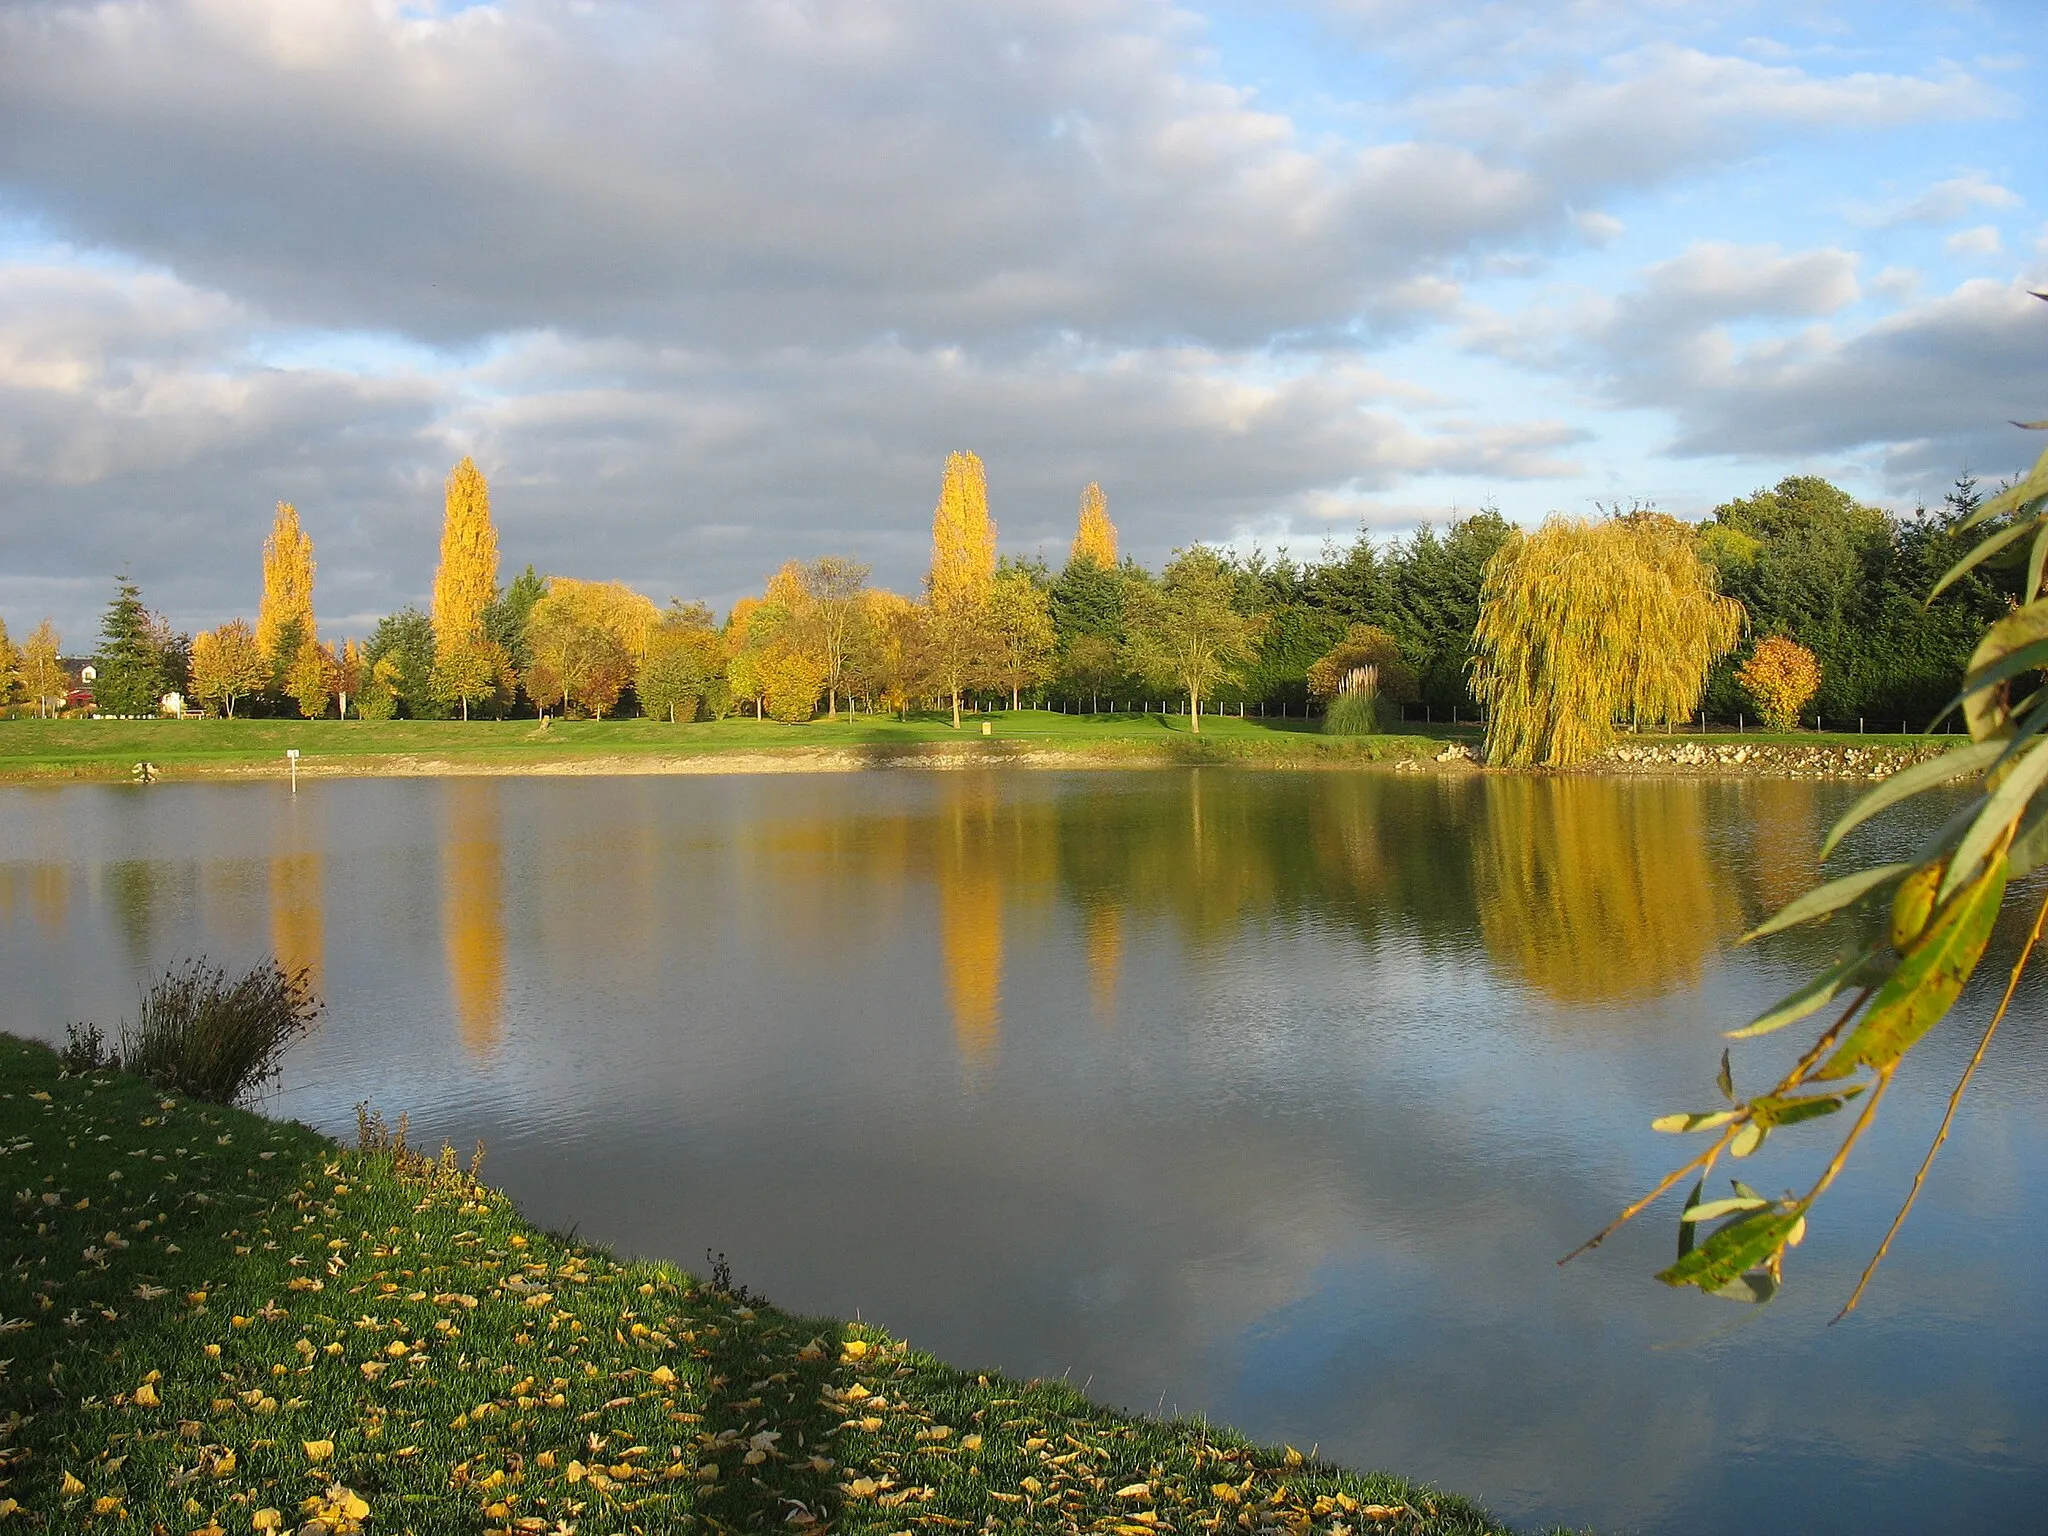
1923, 926
1584, 624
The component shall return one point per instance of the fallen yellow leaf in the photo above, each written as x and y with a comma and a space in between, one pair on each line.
318, 1450
145, 1396
265, 1520
71, 1487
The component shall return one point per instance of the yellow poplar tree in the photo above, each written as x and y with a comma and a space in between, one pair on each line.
466, 581
284, 617
1095, 538
963, 566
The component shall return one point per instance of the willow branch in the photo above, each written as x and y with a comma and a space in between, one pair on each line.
1705, 1159
1948, 1116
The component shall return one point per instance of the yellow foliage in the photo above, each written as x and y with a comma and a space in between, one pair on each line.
1581, 624
466, 582
1095, 537
1594, 892
963, 536
286, 610
791, 683
227, 663
42, 674
629, 617
1781, 677
473, 910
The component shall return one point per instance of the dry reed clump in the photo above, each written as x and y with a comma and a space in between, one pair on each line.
1355, 710
441, 1175
203, 1036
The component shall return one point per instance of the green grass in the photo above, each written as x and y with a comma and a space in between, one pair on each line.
32, 750
209, 1315
58, 749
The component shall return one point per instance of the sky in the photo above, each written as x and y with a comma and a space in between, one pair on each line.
706, 286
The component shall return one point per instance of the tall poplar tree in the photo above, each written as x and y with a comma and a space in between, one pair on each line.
284, 617
466, 582
963, 566
1095, 537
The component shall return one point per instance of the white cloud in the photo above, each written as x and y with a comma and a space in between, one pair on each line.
1946, 202
1983, 240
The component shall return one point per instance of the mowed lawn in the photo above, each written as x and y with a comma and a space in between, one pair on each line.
32, 748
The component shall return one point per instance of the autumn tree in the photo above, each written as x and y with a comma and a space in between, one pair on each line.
1585, 624
1781, 677
469, 669
1095, 537
894, 662
825, 613
311, 681
42, 674
351, 674
963, 566
1364, 645
1021, 641
683, 663
228, 664
10, 666
380, 695
587, 638
1186, 632
466, 581
284, 614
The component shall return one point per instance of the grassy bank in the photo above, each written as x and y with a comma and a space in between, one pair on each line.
91, 749
219, 1323
59, 750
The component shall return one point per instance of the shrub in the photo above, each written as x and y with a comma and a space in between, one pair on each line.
1363, 645
1781, 678
85, 1050
1354, 712
201, 1035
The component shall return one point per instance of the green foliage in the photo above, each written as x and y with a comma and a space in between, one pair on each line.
1186, 631
1088, 599
199, 1034
139, 660
1355, 712
1942, 905
1851, 583
406, 640
505, 618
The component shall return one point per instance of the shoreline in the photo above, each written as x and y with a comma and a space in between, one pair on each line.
250, 751
275, 1327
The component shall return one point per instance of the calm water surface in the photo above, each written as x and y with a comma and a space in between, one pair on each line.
1266, 1097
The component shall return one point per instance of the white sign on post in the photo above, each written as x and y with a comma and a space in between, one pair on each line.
292, 754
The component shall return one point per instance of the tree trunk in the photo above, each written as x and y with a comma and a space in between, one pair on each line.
956, 706
1195, 711
1013, 698
465, 709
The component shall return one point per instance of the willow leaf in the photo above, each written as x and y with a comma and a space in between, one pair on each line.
2011, 665
1910, 781
1928, 979
1985, 712
1860, 969
1729, 1253
1985, 549
2035, 561
1714, 1210
1780, 1109
2030, 849
1823, 899
2004, 807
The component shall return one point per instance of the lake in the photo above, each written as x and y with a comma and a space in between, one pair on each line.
1267, 1097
